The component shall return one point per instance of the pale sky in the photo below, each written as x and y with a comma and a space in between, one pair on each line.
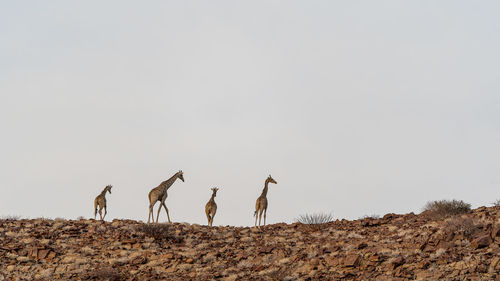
354, 107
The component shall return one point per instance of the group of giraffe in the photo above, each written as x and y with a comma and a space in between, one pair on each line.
159, 193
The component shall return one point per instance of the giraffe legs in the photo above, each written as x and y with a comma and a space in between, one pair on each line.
166, 209
151, 215
100, 212
265, 211
208, 218
158, 215
260, 216
105, 212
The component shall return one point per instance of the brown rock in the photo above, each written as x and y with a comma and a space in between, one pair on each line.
399, 260
43, 253
351, 260
495, 232
362, 245
51, 255
481, 242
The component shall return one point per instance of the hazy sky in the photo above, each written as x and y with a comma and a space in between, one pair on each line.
354, 107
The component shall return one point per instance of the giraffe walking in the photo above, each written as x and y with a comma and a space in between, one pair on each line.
261, 204
100, 201
211, 207
159, 193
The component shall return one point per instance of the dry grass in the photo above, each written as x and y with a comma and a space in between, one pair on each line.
160, 233
445, 208
10, 217
319, 218
461, 226
370, 217
109, 274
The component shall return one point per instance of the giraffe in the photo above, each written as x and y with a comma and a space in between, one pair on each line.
159, 193
211, 207
261, 204
100, 201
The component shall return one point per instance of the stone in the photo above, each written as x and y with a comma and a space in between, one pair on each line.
351, 261
481, 242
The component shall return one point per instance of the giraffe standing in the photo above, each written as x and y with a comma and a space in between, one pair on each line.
159, 193
261, 204
100, 201
211, 207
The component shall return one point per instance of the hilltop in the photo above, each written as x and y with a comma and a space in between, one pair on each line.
394, 247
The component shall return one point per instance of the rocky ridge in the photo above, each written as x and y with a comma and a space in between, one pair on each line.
395, 247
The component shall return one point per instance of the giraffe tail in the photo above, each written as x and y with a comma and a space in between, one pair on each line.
255, 213
95, 208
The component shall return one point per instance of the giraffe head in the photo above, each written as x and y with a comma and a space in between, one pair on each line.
180, 175
271, 180
108, 188
214, 191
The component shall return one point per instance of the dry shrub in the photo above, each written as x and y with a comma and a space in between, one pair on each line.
373, 217
160, 233
445, 208
461, 226
10, 218
496, 203
315, 222
319, 218
109, 274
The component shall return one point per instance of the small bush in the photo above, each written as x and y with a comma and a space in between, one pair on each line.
463, 226
444, 208
319, 218
496, 203
160, 233
370, 217
10, 217
110, 274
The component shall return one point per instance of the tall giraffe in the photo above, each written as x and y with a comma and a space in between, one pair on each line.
159, 193
100, 201
211, 207
261, 204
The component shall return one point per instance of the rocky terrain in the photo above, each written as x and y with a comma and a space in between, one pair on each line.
395, 247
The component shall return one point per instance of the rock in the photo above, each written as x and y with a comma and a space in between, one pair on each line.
495, 232
397, 248
399, 260
481, 242
351, 260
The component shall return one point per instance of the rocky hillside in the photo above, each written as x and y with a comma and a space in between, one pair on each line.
395, 247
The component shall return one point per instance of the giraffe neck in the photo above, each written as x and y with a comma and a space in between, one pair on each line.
212, 199
168, 183
103, 193
264, 191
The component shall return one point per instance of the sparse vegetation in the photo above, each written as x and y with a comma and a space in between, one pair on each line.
318, 218
445, 208
109, 274
370, 217
496, 203
10, 217
160, 233
461, 226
